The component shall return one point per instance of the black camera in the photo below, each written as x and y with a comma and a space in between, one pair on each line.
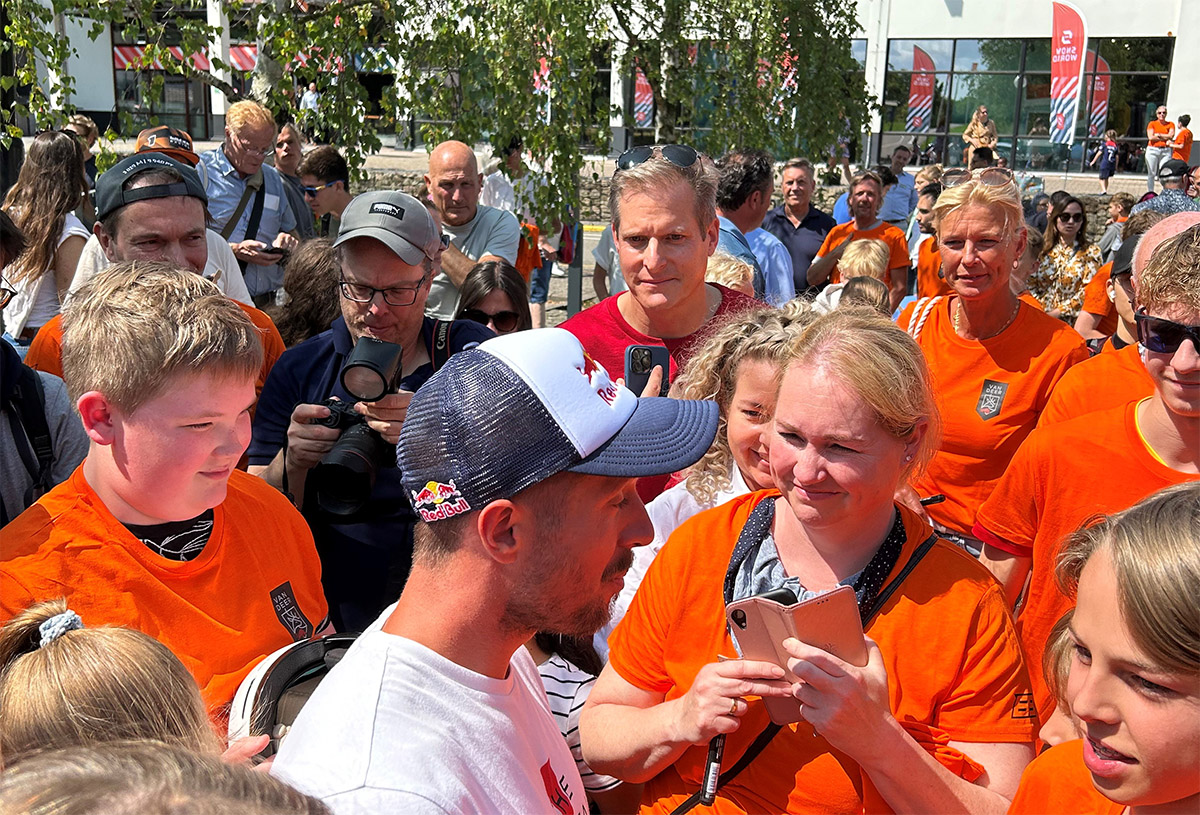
344, 478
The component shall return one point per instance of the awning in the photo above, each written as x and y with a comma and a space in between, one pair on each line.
129, 58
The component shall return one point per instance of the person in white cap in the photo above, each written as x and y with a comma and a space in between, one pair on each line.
441, 710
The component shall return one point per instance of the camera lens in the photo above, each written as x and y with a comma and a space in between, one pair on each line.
739, 618
641, 361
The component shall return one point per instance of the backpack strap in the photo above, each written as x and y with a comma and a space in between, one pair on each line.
31, 432
921, 312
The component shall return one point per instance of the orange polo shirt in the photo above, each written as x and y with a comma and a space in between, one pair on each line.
1183, 145
930, 283
883, 231
1095, 300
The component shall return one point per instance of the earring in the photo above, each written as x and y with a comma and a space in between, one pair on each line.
908, 458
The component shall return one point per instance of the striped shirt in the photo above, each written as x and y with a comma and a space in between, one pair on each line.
567, 688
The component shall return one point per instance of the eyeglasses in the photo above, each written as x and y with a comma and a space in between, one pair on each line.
504, 321
1165, 336
6, 294
991, 176
1071, 217
394, 296
254, 151
314, 190
678, 154
1161, 112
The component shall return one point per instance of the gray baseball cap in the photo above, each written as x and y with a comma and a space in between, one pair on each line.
395, 219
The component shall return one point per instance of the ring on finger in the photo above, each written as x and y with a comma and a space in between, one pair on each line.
734, 706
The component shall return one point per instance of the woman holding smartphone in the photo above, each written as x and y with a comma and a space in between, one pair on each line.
933, 723
1132, 666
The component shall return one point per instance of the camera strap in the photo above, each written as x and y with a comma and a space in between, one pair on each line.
440, 351
752, 533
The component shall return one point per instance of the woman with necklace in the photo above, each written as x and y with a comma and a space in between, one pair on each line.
994, 358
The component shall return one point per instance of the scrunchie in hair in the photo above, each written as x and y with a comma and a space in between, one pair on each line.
58, 625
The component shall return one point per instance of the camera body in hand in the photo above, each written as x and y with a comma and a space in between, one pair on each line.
345, 477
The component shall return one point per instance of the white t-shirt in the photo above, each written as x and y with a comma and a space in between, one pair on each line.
491, 232
36, 301
222, 266
667, 512
606, 257
397, 728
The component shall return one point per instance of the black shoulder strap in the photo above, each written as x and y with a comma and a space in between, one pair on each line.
256, 213
764, 738
440, 352
30, 430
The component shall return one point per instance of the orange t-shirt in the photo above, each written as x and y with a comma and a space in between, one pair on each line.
883, 231
1057, 781
1027, 297
1064, 474
1095, 300
254, 588
1109, 379
1183, 145
45, 353
930, 283
990, 395
947, 639
1160, 134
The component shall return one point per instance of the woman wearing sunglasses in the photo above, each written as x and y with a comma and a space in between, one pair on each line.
494, 294
994, 358
1068, 261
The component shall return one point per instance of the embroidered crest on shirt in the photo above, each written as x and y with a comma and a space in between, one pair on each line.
991, 399
1024, 707
283, 599
556, 790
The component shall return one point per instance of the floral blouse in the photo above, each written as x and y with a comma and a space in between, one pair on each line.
1060, 276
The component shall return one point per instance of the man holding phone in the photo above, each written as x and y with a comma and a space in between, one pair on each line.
386, 251
663, 204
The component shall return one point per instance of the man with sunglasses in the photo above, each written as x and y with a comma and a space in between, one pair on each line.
324, 179
386, 252
1173, 175
31, 405
1103, 462
246, 199
664, 223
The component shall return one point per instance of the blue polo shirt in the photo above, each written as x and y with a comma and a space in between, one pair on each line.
224, 186
802, 241
308, 374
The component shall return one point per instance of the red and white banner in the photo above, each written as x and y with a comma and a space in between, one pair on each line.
1100, 85
920, 92
1066, 70
129, 58
643, 100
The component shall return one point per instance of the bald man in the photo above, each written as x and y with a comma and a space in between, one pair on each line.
477, 232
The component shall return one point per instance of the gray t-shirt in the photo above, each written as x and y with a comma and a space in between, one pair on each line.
66, 434
491, 232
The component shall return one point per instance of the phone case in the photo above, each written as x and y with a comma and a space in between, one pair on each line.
829, 621
636, 382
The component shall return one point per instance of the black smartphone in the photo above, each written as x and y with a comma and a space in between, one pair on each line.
640, 361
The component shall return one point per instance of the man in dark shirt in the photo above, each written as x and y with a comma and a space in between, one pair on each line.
386, 250
801, 226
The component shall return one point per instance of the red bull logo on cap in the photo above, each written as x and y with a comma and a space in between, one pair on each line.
597, 377
437, 501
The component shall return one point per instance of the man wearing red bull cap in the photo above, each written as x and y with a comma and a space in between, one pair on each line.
440, 709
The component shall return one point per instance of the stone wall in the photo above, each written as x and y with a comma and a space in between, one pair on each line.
594, 195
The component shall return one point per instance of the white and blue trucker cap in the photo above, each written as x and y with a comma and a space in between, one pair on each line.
519, 408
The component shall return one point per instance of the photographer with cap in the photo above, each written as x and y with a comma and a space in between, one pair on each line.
1173, 175
221, 267
151, 207
386, 251
441, 709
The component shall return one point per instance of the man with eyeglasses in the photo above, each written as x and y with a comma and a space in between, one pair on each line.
1173, 175
35, 408
324, 179
386, 251
1160, 135
246, 199
1104, 461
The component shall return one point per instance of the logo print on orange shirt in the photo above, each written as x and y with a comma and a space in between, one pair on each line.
283, 599
991, 399
556, 790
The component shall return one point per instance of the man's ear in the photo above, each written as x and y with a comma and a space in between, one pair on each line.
496, 525
106, 241
99, 421
428, 185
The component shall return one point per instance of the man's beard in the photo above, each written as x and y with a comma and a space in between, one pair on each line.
533, 607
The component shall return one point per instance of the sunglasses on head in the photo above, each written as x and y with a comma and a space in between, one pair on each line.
504, 321
1165, 336
1071, 217
991, 176
678, 154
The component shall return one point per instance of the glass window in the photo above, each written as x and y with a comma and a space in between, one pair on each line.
858, 51
996, 92
987, 55
895, 102
1136, 53
1035, 106
1037, 55
900, 53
